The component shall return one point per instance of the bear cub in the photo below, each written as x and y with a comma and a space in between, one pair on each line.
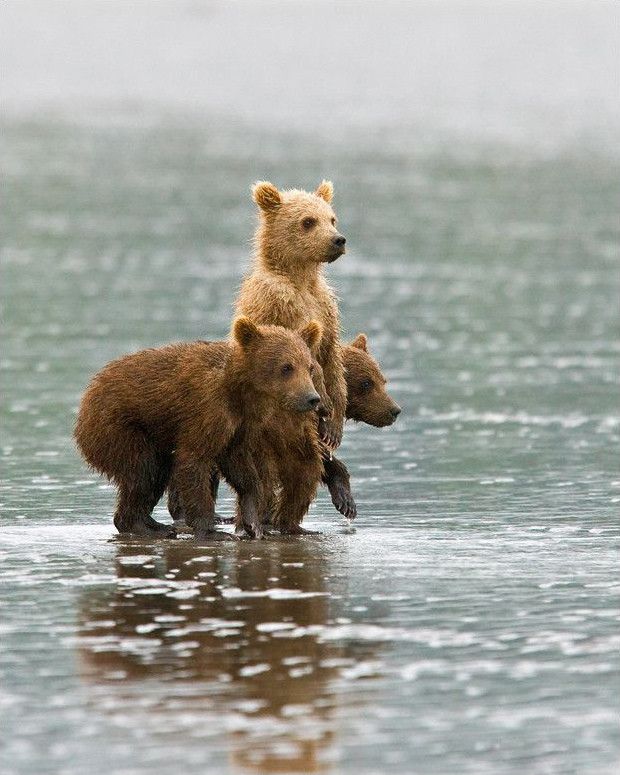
172, 415
296, 237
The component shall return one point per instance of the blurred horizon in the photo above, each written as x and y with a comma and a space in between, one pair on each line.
542, 74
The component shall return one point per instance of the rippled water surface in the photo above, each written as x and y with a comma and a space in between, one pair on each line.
468, 621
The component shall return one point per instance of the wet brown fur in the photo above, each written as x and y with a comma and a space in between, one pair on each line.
173, 414
367, 398
286, 454
303, 461
290, 453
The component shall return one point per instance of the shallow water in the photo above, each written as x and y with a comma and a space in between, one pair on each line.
468, 620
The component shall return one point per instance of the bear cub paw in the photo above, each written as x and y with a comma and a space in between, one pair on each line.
342, 499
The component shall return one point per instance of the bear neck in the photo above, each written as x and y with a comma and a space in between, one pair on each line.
301, 274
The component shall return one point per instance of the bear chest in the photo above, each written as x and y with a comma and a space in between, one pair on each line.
313, 308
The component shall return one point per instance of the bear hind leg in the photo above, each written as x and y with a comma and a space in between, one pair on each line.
138, 497
133, 513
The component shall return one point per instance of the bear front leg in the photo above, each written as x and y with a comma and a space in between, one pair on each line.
175, 507
270, 510
251, 500
336, 477
249, 520
326, 407
331, 428
194, 486
299, 484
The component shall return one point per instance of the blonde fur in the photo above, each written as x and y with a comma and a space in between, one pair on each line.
287, 287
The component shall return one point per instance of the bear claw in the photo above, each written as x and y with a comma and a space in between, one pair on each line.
329, 434
343, 500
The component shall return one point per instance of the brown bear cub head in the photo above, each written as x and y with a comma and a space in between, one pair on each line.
297, 228
367, 399
278, 362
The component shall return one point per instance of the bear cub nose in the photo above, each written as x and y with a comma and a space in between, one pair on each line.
339, 241
396, 411
313, 401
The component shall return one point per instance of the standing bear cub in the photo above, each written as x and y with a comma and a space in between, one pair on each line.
171, 416
296, 236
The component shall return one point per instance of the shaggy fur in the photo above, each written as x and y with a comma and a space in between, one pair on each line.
293, 449
296, 235
173, 415
300, 460
306, 463
367, 397
287, 455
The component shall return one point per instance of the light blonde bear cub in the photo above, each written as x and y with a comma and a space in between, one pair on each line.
296, 235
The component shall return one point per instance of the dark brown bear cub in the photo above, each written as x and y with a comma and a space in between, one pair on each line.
172, 415
367, 401
291, 452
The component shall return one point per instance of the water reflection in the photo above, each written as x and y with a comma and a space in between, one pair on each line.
235, 639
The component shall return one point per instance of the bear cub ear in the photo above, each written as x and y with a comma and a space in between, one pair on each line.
245, 332
326, 191
266, 196
311, 334
360, 342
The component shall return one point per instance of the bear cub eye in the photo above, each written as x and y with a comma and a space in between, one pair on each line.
287, 369
365, 385
308, 223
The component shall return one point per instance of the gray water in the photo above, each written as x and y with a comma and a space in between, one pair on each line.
468, 621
